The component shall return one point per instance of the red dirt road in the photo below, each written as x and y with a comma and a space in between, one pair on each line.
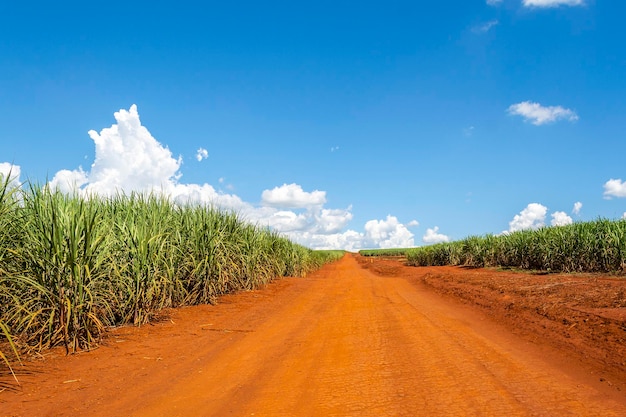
341, 342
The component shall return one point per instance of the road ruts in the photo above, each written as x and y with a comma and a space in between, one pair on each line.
344, 342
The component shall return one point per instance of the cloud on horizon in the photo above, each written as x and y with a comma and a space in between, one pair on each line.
539, 115
129, 159
432, 236
389, 233
532, 217
11, 172
560, 218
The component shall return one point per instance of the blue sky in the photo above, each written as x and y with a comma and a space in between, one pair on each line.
340, 124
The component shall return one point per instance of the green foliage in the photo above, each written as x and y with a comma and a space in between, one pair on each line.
72, 266
597, 246
384, 252
9, 231
321, 257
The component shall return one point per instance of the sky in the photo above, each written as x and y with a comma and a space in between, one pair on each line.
339, 124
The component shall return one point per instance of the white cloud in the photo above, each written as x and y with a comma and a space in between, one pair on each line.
577, 206
68, 181
329, 221
285, 221
413, 223
201, 154
614, 188
432, 236
485, 27
205, 194
532, 217
388, 233
494, 2
624, 215
539, 115
292, 196
11, 171
349, 240
560, 218
551, 3
129, 159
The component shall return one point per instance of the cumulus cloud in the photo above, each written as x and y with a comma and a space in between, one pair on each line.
11, 172
577, 206
128, 159
539, 115
432, 236
204, 194
614, 188
532, 217
551, 3
485, 27
201, 154
349, 240
68, 181
388, 233
292, 196
285, 221
413, 223
329, 221
560, 218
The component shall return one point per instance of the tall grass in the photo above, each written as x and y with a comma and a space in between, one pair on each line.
9, 200
596, 246
384, 252
72, 266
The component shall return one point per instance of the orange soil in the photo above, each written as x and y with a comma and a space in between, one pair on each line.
345, 341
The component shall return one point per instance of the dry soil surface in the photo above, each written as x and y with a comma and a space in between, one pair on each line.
360, 337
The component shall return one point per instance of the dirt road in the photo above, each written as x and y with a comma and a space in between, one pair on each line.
341, 342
